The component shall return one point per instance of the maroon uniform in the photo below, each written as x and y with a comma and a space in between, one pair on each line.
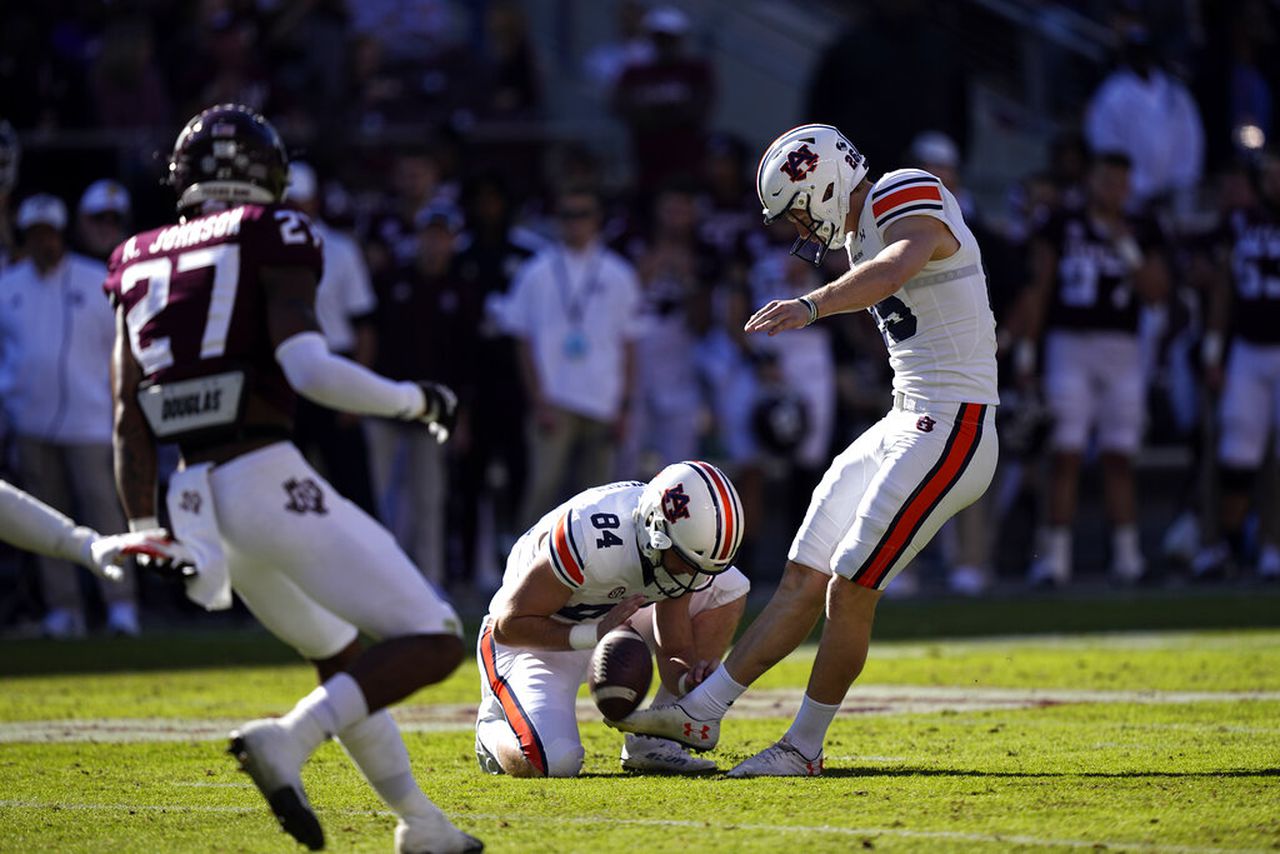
194, 303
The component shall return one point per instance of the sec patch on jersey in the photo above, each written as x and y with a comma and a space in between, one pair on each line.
620, 672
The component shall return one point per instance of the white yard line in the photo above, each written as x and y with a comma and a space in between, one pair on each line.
869, 832
778, 703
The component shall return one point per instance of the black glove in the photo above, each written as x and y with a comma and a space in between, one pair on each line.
441, 412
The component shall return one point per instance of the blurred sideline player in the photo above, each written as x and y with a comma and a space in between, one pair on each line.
584, 569
1092, 268
215, 333
30, 524
1246, 301
916, 266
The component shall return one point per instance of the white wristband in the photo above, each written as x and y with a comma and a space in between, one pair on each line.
813, 309
146, 523
583, 636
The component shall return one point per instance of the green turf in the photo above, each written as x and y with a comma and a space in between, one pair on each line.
1123, 775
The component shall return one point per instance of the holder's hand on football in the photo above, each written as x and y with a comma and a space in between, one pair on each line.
153, 550
696, 675
619, 614
441, 411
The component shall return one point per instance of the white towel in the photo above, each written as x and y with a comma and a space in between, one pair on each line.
191, 515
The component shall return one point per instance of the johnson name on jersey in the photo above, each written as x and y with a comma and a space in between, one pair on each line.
196, 312
1255, 272
591, 541
938, 327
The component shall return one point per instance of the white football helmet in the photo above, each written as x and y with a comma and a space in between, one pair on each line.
691, 507
812, 168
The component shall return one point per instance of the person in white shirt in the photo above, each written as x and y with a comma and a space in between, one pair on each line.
573, 308
345, 304
1152, 117
56, 336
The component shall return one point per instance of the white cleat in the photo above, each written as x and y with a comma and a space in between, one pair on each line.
645, 754
671, 722
267, 753
433, 835
779, 760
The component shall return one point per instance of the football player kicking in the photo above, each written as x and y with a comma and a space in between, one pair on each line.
30, 524
916, 266
586, 568
215, 333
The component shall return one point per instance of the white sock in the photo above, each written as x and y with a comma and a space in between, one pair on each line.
326, 711
1058, 546
712, 699
809, 729
662, 697
1125, 546
375, 746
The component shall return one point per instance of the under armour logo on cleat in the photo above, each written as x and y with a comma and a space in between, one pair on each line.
704, 731
814, 769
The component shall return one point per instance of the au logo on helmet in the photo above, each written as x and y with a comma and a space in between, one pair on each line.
675, 503
800, 163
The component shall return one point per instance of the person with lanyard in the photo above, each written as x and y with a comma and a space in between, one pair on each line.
573, 310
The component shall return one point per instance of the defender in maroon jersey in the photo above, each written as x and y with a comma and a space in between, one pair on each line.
215, 334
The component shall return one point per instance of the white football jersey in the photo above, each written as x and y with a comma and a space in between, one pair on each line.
591, 540
938, 327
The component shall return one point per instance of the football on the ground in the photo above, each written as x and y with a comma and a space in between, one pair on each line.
620, 672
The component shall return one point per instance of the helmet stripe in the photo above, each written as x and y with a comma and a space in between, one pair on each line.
731, 514
715, 502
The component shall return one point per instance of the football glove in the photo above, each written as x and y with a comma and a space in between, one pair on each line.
153, 550
441, 412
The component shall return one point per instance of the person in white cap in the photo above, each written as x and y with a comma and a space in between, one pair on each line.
56, 335
345, 303
103, 218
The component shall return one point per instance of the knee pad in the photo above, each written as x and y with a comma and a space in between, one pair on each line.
564, 758
1237, 479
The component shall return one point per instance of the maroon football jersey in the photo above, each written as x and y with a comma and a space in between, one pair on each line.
193, 298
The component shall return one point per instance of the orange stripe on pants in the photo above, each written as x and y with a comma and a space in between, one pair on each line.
530, 744
926, 498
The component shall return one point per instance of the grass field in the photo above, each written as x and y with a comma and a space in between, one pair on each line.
1157, 740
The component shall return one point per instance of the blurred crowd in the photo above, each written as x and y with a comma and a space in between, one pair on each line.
593, 329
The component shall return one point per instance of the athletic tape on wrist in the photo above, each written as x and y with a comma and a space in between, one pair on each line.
583, 636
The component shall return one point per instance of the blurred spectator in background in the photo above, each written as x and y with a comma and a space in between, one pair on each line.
1145, 112
307, 45
514, 85
573, 309
345, 304
103, 218
493, 472
56, 337
804, 367
391, 236
1090, 272
10, 156
677, 272
228, 67
902, 62
1246, 305
666, 102
427, 323
125, 81
605, 62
